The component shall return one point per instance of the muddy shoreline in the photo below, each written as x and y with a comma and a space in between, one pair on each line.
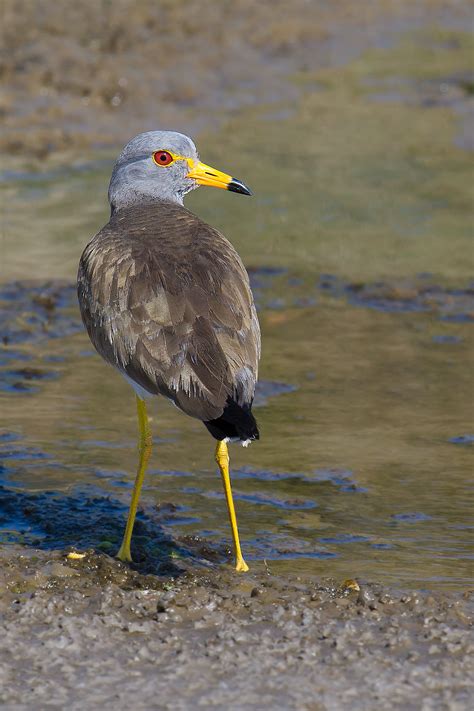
96, 73
93, 633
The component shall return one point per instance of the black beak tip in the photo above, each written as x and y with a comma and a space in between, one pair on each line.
236, 186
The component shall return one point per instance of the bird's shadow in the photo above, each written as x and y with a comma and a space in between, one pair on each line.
52, 520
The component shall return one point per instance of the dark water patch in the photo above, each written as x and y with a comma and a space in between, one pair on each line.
304, 302
19, 462
85, 518
109, 473
444, 91
276, 547
169, 472
382, 546
163, 440
264, 500
267, 389
32, 312
342, 478
197, 490
177, 520
275, 304
404, 296
54, 358
345, 538
458, 318
411, 517
445, 339
173, 514
265, 272
122, 484
7, 355
22, 380
465, 439
22, 454
247, 472
295, 281
262, 281
294, 555
15, 525
385, 296
104, 444
453, 92
257, 498
9, 437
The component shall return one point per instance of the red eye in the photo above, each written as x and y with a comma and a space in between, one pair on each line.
162, 158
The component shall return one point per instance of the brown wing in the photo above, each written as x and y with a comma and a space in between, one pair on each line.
166, 299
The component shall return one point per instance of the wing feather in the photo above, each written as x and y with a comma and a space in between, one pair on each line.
166, 299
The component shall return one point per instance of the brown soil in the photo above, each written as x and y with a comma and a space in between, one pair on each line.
94, 73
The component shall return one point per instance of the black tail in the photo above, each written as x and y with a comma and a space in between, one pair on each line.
236, 422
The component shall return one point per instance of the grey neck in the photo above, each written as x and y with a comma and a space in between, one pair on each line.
135, 181
132, 197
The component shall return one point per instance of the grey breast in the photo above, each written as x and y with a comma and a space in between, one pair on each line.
166, 299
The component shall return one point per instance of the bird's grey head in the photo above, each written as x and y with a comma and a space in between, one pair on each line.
162, 165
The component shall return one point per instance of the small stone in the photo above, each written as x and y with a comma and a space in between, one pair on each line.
367, 599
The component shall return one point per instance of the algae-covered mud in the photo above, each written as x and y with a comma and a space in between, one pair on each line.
358, 242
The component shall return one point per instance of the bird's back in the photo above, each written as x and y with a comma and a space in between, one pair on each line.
166, 299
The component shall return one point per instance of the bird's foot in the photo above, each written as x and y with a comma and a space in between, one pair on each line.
124, 554
241, 566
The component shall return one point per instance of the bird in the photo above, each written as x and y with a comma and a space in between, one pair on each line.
166, 300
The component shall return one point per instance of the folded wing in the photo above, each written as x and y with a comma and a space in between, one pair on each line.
166, 299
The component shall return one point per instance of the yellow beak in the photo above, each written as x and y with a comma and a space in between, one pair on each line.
205, 175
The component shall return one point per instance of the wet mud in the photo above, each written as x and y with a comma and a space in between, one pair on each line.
76, 79
32, 311
52, 520
93, 632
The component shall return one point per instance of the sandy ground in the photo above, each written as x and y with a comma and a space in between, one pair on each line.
92, 633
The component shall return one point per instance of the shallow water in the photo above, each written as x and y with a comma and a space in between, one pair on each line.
360, 259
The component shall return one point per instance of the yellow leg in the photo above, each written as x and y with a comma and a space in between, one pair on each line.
222, 459
144, 448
